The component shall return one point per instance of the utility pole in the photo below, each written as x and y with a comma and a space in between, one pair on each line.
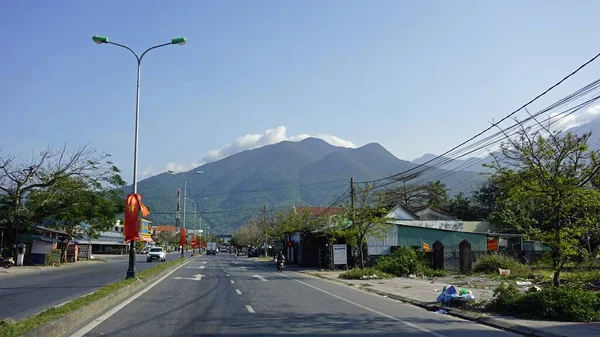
352, 197
352, 202
266, 231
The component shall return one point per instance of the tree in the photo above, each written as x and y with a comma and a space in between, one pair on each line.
437, 194
415, 195
20, 178
547, 185
78, 206
462, 207
168, 238
368, 219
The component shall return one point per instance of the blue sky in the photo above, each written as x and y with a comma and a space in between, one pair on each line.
416, 77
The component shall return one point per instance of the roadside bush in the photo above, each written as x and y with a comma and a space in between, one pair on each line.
402, 262
367, 273
489, 264
565, 304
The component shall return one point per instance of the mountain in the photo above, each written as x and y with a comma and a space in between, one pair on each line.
471, 164
310, 172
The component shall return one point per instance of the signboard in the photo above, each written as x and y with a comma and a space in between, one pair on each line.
145, 230
55, 257
340, 255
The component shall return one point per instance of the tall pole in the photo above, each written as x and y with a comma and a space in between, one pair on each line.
353, 207
184, 203
352, 196
131, 272
266, 231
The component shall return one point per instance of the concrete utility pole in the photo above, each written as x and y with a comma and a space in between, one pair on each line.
352, 197
266, 231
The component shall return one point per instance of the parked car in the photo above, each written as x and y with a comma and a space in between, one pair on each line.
156, 253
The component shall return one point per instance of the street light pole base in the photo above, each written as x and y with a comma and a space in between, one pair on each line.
131, 270
131, 273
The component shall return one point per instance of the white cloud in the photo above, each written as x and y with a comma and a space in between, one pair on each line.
248, 142
576, 119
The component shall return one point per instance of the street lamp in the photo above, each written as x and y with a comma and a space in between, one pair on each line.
104, 40
184, 197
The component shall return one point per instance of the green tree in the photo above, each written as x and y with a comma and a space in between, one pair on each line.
462, 207
21, 177
368, 219
546, 185
437, 194
78, 206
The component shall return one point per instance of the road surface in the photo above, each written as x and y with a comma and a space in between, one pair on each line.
226, 296
30, 293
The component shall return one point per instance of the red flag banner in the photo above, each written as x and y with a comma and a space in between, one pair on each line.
133, 207
183, 237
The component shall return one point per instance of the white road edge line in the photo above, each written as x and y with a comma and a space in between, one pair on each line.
81, 332
227, 275
369, 309
232, 282
249, 308
238, 291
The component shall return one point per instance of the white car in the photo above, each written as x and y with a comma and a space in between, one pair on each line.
156, 253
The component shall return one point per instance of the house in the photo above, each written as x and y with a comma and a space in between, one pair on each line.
310, 249
426, 225
107, 242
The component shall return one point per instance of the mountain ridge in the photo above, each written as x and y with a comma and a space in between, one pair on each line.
310, 172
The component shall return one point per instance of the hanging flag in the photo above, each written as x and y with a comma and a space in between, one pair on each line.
183, 237
426, 247
133, 207
194, 241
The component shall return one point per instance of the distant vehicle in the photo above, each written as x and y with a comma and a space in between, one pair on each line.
211, 248
144, 252
156, 253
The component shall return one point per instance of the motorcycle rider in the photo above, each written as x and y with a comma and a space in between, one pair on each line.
280, 259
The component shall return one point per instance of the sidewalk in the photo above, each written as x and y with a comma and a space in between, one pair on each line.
19, 270
423, 293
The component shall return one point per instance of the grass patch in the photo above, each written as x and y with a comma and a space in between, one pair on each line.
489, 264
563, 303
19, 328
429, 272
368, 273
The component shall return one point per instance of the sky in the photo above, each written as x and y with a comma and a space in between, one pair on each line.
415, 76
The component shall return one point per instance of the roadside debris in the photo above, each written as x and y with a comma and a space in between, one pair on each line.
450, 294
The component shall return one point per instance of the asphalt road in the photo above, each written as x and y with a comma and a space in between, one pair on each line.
30, 293
225, 296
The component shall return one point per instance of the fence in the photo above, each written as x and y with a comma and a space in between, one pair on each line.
461, 258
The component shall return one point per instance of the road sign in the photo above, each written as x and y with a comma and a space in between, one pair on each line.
340, 255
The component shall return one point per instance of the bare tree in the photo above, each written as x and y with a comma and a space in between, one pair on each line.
20, 176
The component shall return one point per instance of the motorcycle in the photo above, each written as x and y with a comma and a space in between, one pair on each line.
280, 266
8, 262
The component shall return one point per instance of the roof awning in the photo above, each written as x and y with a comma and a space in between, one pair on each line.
145, 238
43, 238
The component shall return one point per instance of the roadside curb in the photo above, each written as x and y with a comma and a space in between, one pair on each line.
432, 306
62, 325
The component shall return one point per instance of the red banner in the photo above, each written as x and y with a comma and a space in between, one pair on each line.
133, 207
183, 237
194, 242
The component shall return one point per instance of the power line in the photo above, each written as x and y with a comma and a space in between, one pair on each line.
577, 94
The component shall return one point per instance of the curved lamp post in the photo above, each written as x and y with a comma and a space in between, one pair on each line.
104, 40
